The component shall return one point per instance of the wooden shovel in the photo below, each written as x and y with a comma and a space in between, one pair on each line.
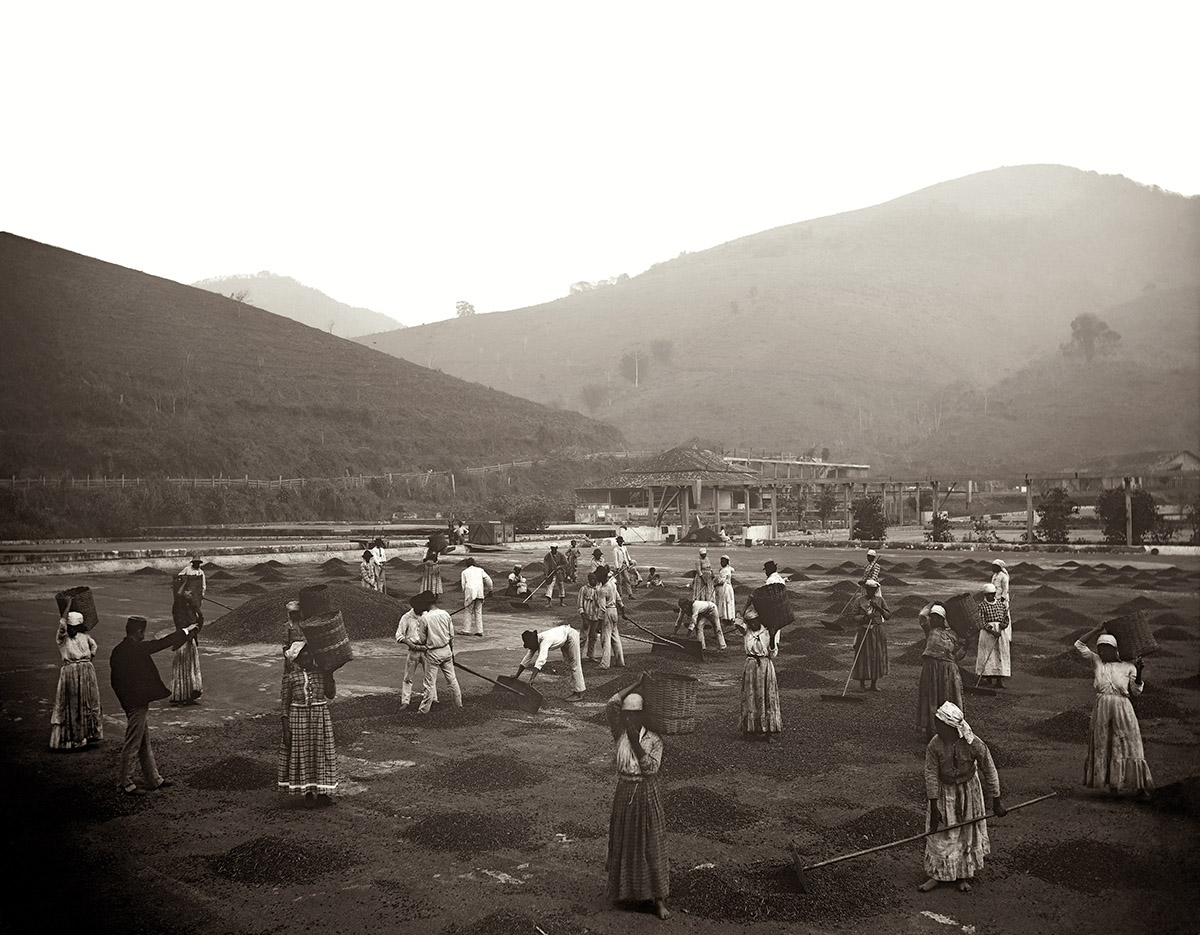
690, 648
529, 698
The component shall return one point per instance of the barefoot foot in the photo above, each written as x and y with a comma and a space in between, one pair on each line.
964, 886
928, 885
661, 910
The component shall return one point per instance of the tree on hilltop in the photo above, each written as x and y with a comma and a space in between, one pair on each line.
1090, 335
464, 309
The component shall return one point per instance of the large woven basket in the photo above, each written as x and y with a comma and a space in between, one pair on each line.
327, 640
962, 613
773, 606
1133, 635
81, 601
669, 702
191, 586
314, 601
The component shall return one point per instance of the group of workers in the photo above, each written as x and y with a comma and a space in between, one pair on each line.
961, 781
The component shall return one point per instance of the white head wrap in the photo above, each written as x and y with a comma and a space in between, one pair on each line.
74, 618
725, 557
632, 702
939, 610
989, 589
1000, 562
704, 551
1107, 640
293, 651
871, 583
950, 713
871, 553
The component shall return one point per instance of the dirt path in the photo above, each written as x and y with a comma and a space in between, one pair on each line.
490, 820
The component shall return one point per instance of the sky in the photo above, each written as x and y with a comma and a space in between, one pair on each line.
404, 156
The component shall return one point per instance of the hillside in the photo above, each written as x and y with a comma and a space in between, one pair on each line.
109, 370
291, 299
838, 331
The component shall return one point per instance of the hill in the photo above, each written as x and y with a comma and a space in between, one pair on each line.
109, 370
291, 299
842, 331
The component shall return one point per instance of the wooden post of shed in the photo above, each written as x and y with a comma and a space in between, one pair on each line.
775, 509
1128, 481
900, 502
1028, 510
848, 488
716, 495
746, 491
685, 494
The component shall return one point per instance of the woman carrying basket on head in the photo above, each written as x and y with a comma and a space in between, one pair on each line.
1116, 760
431, 572
77, 719
760, 689
307, 758
638, 866
940, 681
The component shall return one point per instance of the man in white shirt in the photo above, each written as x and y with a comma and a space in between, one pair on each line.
193, 570
435, 634
537, 647
700, 612
408, 635
622, 568
476, 585
771, 570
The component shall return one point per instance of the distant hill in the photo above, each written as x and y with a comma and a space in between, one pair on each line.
109, 370
291, 299
840, 331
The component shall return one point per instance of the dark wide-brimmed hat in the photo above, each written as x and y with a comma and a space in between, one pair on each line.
423, 601
529, 639
770, 568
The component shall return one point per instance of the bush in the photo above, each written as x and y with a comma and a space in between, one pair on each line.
940, 529
870, 521
1146, 521
983, 531
1055, 509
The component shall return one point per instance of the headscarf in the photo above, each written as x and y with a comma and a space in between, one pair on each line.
871, 553
1107, 640
871, 583
74, 618
293, 651
939, 610
1000, 562
989, 589
950, 713
632, 702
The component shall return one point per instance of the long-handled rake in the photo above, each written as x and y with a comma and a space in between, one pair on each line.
800, 868
524, 605
843, 696
690, 647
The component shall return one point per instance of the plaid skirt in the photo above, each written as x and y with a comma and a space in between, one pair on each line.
309, 762
77, 718
638, 865
186, 684
760, 697
873, 660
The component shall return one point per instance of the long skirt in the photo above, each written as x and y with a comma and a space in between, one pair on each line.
638, 866
958, 854
186, 684
940, 682
760, 697
309, 762
431, 579
725, 602
77, 719
994, 655
873, 660
703, 588
1115, 758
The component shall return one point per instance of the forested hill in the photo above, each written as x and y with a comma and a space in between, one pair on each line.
843, 331
284, 296
109, 370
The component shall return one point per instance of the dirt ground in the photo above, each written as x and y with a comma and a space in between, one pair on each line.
494, 821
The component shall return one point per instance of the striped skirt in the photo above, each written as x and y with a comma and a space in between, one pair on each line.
308, 763
638, 866
186, 684
431, 579
760, 697
940, 682
703, 588
873, 659
958, 854
77, 719
1115, 758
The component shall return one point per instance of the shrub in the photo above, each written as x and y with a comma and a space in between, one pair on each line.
1146, 521
870, 521
1055, 509
939, 531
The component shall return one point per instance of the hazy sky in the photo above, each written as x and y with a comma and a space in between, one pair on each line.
404, 156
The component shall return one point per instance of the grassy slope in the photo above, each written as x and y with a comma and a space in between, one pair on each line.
291, 299
109, 370
789, 337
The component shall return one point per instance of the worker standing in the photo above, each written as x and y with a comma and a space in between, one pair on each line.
622, 568
555, 567
476, 585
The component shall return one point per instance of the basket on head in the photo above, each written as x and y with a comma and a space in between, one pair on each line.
81, 601
327, 640
314, 601
773, 606
669, 702
962, 613
190, 585
1133, 635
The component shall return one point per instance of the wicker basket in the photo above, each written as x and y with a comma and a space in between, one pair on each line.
190, 585
327, 640
773, 607
1133, 635
669, 702
314, 601
962, 613
81, 602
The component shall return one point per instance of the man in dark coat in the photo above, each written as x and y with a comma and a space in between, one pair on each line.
136, 681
